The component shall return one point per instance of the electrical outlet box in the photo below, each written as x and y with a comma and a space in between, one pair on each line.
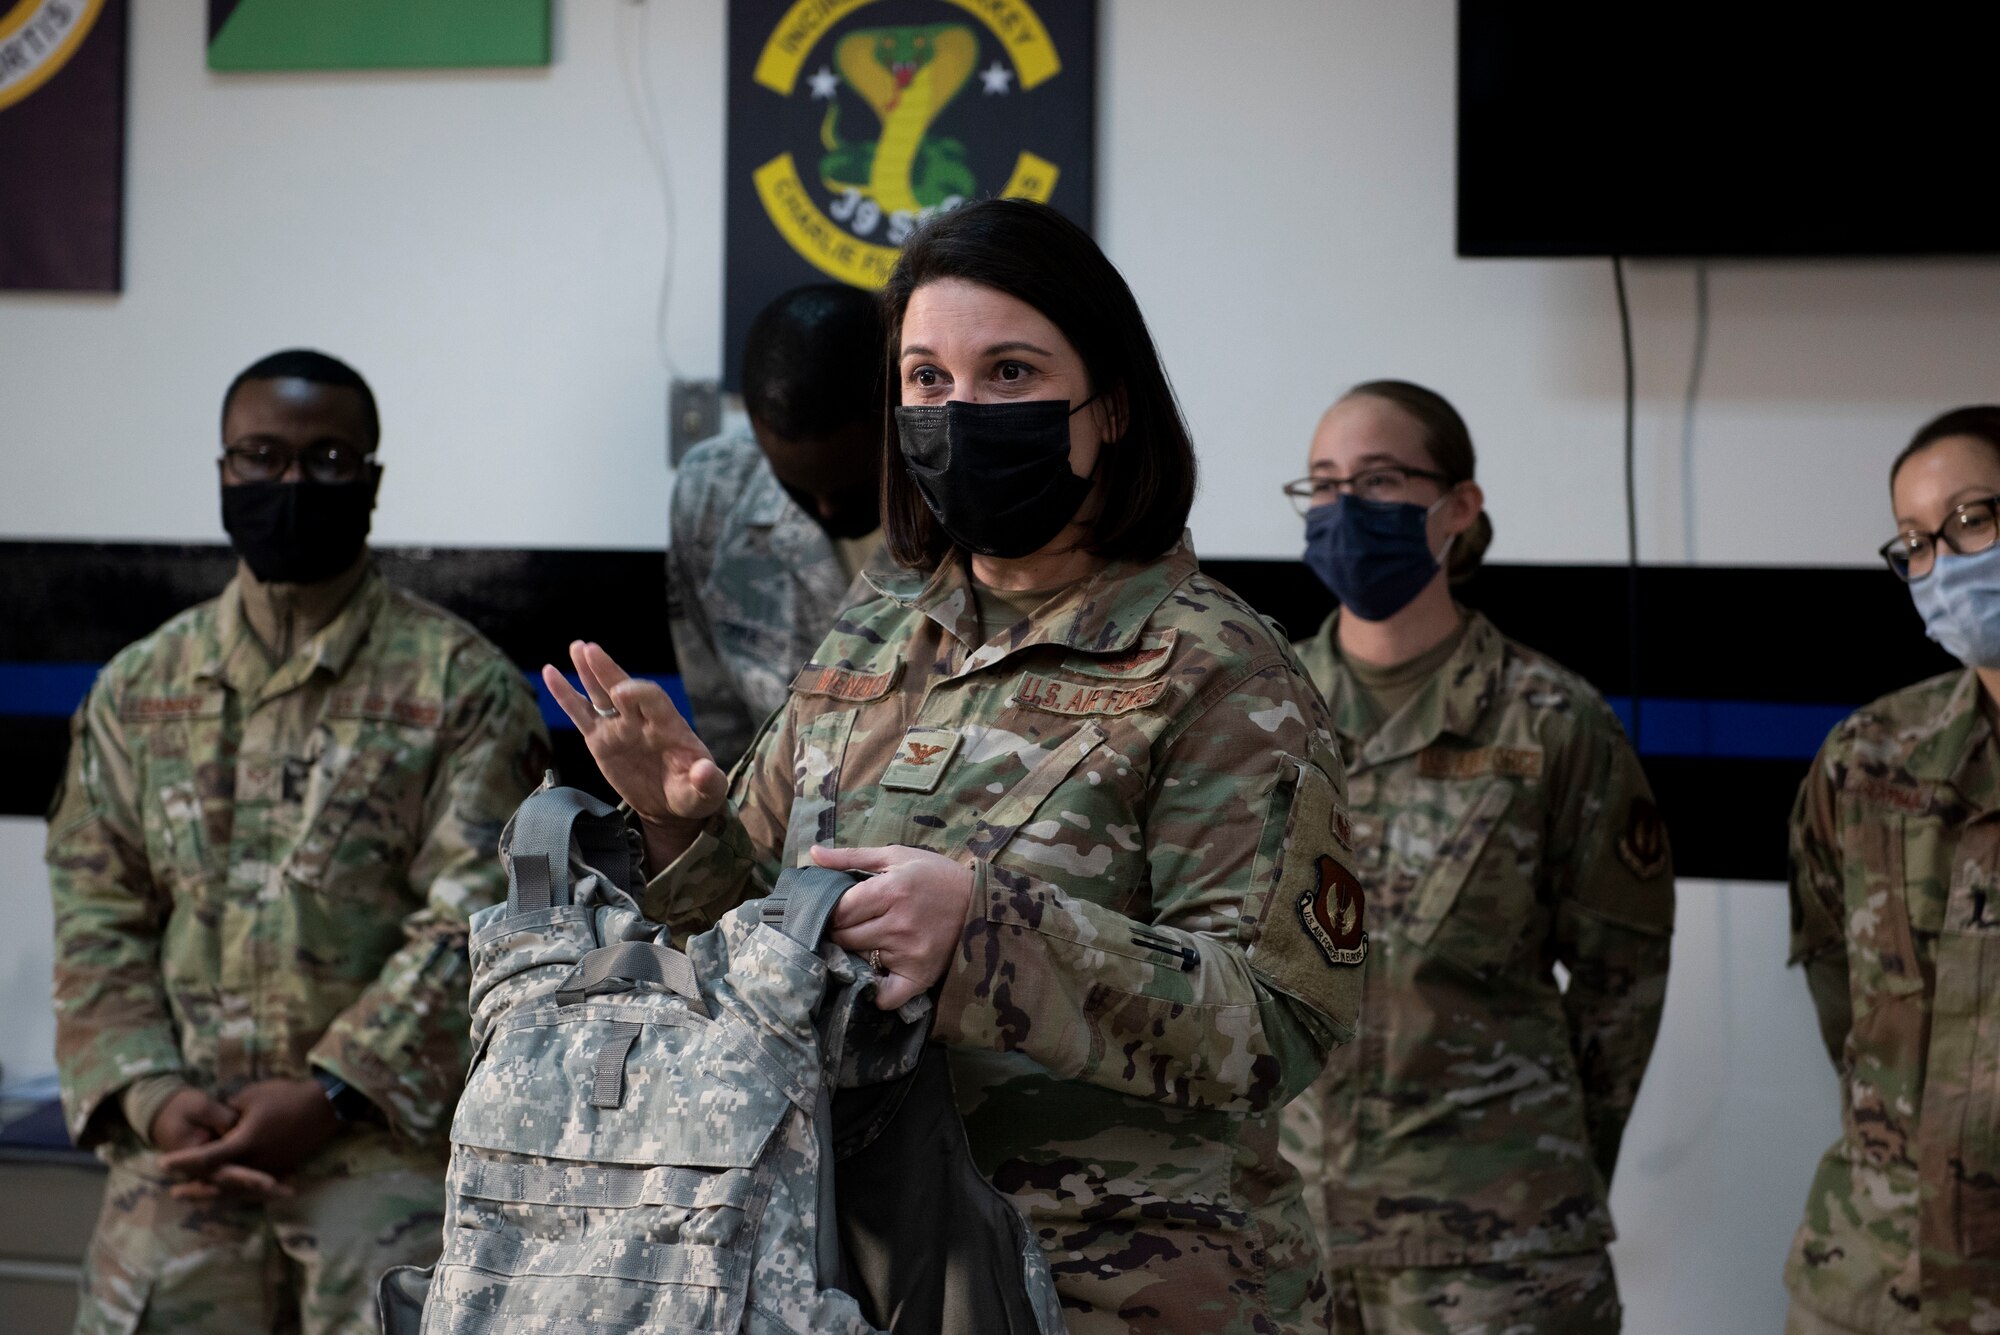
694, 413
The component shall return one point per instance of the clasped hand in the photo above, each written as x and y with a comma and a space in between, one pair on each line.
911, 910
246, 1146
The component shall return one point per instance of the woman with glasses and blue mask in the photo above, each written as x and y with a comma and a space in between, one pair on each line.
1458, 1154
1896, 919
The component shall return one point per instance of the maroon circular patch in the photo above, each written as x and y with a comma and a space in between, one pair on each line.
1332, 911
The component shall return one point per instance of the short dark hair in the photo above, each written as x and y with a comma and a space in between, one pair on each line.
1029, 251
1981, 421
811, 363
1448, 441
317, 367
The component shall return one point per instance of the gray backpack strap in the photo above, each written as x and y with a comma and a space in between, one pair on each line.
799, 905
607, 1073
802, 901
617, 967
538, 849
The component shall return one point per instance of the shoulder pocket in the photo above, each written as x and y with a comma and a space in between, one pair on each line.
1146, 659
1471, 919
1881, 948
345, 783
1311, 933
819, 753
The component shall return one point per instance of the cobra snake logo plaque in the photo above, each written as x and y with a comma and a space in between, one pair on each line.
37, 38
853, 121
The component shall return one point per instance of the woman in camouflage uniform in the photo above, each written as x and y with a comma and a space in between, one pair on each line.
1458, 1154
1896, 918
1095, 791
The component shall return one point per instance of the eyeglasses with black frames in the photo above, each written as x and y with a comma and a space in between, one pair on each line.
1969, 528
1382, 482
268, 461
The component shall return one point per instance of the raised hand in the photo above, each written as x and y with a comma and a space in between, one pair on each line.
647, 751
906, 918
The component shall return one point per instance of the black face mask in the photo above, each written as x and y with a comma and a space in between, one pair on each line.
299, 532
996, 475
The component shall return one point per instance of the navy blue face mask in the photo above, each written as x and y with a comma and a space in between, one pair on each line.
1375, 555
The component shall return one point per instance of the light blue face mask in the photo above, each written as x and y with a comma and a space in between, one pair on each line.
1960, 604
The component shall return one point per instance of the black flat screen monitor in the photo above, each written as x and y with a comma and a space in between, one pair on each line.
1745, 129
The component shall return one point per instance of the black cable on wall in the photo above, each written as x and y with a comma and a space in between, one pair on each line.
1631, 493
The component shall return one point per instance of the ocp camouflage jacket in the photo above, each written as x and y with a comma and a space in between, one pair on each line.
1501, 826
1896, 917
259, 868
1155, 959
753, 584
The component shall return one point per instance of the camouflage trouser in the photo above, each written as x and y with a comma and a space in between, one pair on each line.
1551, 1295
307, 1263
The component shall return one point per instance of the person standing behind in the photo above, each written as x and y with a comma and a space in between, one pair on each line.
279, 810
1459, 1153
1896, 919
771, 525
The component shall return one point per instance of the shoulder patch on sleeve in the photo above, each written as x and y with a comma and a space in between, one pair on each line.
1312, 933
1642, 845
1331, 909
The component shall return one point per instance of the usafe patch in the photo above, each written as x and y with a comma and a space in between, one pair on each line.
844, 683
1643, 845
1332, 910
1514, 762
1052, 695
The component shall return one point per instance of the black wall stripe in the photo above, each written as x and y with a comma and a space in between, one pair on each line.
1818, 635
1823, 636
83, 602
1826, 635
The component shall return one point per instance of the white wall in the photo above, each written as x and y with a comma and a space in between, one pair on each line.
28, 1036
486, 247
1738, 1105
1275, 180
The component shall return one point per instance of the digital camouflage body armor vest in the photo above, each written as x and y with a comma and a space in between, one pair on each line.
656, 1142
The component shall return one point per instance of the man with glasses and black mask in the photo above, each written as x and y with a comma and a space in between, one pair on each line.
279, 810
1896, 919
771, 525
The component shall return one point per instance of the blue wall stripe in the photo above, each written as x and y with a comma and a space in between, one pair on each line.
45, 690
54, 690
553, 715
1719, 729
1730, 729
